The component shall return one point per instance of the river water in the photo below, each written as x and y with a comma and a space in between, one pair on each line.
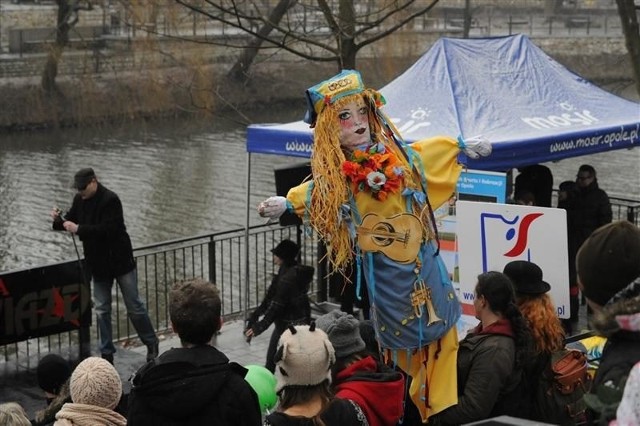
175, 179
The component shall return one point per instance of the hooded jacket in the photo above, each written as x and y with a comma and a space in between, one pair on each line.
376, 388
192, 386
286, 301
486, 360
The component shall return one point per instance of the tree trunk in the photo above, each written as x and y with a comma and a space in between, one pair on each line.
631, 31
62, 39
467, 19
240, 70
346, 41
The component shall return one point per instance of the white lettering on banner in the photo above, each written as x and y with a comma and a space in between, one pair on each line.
568, 118
622, 136
298, 147
417, 120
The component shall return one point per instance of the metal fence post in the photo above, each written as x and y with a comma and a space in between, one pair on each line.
211, 246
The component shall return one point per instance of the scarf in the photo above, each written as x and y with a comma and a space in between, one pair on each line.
73, 414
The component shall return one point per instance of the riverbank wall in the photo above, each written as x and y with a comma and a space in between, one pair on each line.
129, 79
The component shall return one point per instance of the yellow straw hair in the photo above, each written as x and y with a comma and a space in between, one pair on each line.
331, 190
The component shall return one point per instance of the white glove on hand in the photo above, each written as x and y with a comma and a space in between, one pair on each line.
272, 207
477, 147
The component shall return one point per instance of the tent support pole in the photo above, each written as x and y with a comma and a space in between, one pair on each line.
246, 237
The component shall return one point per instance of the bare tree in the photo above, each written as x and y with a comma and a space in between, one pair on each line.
319, 30
67, 19
629, 20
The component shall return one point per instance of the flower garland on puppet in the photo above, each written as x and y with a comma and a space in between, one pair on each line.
375, 170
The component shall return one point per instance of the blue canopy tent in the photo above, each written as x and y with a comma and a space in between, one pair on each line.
507, 89
530, 107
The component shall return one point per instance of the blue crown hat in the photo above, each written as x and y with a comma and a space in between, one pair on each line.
348, 82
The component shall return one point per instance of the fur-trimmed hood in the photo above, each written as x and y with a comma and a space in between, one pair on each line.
621, 314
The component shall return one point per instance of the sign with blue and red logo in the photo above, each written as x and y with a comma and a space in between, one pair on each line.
491, 235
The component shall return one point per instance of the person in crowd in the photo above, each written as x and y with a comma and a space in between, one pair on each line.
547, 331
96, 217
286, 301
367, 185
588, 210
359, 376
524, 197
608, 265
368, 335
195, 384
53, 373
12, 414
567, 193
96, 389
491, 357
538, 180
304, 360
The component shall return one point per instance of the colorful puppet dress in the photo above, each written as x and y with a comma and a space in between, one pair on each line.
413, 304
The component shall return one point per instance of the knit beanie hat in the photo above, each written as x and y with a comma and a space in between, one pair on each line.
52, 372
287, 250
96, 382
343, 331
304, 357
609, 260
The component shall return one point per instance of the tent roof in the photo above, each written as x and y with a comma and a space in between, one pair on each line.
507, 89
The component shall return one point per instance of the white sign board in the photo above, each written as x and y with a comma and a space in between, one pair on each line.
491, 235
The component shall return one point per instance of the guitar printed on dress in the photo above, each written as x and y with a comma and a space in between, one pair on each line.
399, 237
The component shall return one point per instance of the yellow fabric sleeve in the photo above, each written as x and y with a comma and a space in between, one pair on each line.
439, 156
297, 196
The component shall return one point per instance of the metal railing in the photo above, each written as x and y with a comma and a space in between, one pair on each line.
219, 258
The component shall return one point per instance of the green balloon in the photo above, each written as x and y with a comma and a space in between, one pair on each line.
263, 383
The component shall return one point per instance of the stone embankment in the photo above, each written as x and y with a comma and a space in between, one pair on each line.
130, 79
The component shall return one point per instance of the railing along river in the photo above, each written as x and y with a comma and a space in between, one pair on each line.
220, 258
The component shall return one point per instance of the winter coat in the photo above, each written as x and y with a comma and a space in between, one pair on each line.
340, 412
107, 246
286, 301
622, 349
192, 386
486, 360
588, 209
376, 388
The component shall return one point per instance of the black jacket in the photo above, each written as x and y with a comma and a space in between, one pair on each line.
107, 246
588, 210
286, 301
192, 386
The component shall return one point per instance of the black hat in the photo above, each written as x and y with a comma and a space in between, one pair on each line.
52, 372
526, 277
609, 260
83, 177
286, 250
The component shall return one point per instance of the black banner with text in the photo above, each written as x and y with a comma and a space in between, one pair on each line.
43, 301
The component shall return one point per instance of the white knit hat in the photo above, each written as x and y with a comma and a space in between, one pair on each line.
96, 382
304, 357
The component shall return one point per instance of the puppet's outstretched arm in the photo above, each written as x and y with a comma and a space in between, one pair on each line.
273, 207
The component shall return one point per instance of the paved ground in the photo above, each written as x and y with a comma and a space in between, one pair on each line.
21, 386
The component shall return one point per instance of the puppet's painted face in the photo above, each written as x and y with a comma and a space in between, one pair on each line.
354, 125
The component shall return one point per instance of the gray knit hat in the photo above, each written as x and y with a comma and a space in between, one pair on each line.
304, 357
96, 382
343, 331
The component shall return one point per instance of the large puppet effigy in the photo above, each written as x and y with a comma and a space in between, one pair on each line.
371, 200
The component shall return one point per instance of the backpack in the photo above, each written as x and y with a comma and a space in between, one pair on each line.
558, 397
